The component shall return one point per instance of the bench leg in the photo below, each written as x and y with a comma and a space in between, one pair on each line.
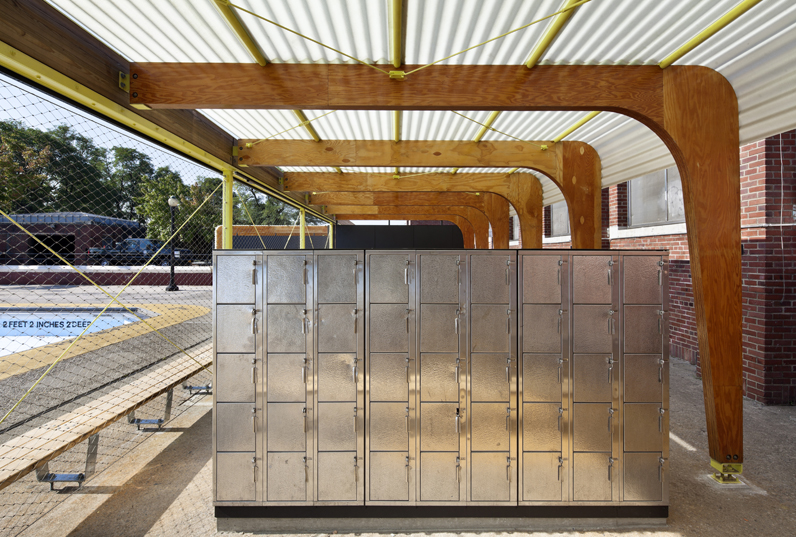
43, 474
159, 421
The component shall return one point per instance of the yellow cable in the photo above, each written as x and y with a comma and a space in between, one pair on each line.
114, 299
251, 219
568, 8
92, 282
302, 124
291, 230
495, 130
305, 37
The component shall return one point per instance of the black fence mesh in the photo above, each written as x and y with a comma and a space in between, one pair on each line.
86, 216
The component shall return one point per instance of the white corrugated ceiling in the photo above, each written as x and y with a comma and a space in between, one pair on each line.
755, 53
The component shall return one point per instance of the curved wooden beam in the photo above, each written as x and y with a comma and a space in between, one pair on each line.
464, 226
494, 206
476, 218
522, 190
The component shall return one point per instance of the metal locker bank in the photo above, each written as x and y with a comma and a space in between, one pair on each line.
425, 385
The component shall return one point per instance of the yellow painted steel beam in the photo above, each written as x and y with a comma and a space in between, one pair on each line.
303, 230
553, 29
226, 211
240, 30
331, 236
396, 32
702, 36
302, 117
481, 132
397, 119
585, 119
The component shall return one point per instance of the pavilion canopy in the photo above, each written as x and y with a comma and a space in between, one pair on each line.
755, 53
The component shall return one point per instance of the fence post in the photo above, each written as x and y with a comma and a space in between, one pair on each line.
303, 228
226, 211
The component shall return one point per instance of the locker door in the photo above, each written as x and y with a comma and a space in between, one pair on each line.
493, 475
286, 377
643, 477
592, 279
236, 477
490, 377
439, 328
287, 426
542, 326
490, 328
592, 378
389, 377
593, 328
288, 474
542, 377
644, 425
337, 377
542, 425
440, 375
388, 278
389, 327
490, 279
594, 473
490, 426
287, 279
389, 427
337, 427
440, 425
440, 475
644, 376
643, 329
239, 282
236, 378
592, 425
287, 327
541, 279
337, 278
390, 475
337, 327
439, 278
542, 476
338, 475
235, 327
236, 426
643, 279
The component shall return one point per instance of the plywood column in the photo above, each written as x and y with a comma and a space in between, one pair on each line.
526, 196
701, 117
581, 184
497, 211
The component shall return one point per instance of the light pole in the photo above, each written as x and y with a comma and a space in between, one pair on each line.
173, 203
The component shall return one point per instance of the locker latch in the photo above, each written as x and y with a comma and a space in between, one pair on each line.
560, 466
508, 416
610, 361
306, 469
660, 273
356, 469
610, 271
458, 428
611, 461
304, 321
508, 271
660, 321
254, 467
661, 462
458, 470
254, 320
610, 418
254, 272
406, 272
560, 416
560, 319
611, 325
661, 362
660, 419
508, 469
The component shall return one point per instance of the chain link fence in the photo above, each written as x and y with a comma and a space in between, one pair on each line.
106, 244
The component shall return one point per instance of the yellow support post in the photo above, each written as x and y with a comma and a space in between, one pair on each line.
331, 236
226, 211
303, 228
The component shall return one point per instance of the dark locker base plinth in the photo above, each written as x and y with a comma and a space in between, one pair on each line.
390, 519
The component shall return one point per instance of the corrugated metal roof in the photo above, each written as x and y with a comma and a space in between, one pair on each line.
755, 53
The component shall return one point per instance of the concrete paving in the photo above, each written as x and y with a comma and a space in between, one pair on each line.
163, 487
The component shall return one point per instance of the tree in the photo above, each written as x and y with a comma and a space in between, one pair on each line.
24, 184
152, 204
130, 169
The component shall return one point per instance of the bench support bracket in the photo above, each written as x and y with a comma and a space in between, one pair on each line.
43, 474
158, 421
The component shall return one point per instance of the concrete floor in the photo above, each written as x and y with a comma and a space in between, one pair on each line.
163, 487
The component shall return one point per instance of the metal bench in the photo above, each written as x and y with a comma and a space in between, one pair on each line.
32, 450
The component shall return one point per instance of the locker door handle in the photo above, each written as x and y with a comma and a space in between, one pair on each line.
660, 321
560, 318
407, 420
508, 372
508, 269
406, 273
508, 469
408, 311
660, 420
304, 415
254, 276
354, 370
407, 469
254, 321
560, 368
559, 277
304, 374
355, 428
610, 418
456, 322
254, 375
660, 277
458, 428
610, 466
354, 314
560, 465
611, 321
407, 371
610, 271
661, 460
456, 371
254, 469
458, 470
610, 362
254, 420
356, 470
306, 473
660, 369
508, 418
560, 415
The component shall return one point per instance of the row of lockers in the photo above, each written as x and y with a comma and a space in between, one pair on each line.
394, 377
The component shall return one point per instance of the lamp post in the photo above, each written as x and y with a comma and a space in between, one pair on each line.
173, 203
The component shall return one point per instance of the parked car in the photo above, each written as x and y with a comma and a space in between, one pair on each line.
138, 252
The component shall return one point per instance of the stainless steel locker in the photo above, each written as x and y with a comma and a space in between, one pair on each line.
593, 425
594, 474
288, 424
287, 279
440, 377
644, 425
491, 426
644, 378
490, 328
643, 279
543, 376
488, 284
542, 325
440, 426
593, 378
593, 328
542, 277
287, 377
542, 425
339, 419
287, 328
643, 329
288, 477
440, 326
441, 278
440, 476
238, 416
391, 376
490, 377
492, 477
593, 279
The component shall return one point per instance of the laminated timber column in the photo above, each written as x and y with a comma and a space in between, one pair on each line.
580, 180
464, 226
526, 196
701, 130
497, 211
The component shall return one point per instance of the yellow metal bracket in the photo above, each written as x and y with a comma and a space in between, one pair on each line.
544, 148
398, 75
727, 472
124, 81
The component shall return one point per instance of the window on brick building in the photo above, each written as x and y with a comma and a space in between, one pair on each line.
656, 198
559, 219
